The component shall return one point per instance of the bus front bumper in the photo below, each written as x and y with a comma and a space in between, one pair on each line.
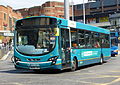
36, 65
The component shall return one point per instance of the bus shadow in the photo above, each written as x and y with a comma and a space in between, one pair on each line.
91, 65
23, 71
17, 71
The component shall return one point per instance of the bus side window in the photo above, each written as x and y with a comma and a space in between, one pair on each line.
81, 39
88, 39
105, 41
74, 38
96, 40
97, 44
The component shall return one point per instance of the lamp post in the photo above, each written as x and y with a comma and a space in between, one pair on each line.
83, 12
66, 9
84, 9
72, 3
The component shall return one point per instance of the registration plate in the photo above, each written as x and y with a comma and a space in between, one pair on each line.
34, 66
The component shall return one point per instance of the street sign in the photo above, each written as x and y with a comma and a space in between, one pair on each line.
91, 0
9, 34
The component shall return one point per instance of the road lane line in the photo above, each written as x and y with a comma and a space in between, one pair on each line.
114, 81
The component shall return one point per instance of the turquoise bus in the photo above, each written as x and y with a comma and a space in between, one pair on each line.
45, 42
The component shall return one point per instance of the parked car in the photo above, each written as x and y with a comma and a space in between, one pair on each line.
114, 50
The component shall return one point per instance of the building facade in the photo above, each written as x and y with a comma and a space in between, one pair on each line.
97, 13
50, 8
7, 21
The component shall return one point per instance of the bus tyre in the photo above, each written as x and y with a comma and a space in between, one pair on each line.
113, 55
101, 60
74, 65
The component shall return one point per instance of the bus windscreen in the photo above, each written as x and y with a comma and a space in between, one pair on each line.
35, 35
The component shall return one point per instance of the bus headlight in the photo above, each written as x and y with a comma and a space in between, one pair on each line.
53, 59
16, 59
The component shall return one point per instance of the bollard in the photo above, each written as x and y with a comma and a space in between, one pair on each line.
0, 51
118, 48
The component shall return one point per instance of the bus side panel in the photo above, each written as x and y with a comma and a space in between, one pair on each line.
76, 53
86, 56
106, 53
90, 56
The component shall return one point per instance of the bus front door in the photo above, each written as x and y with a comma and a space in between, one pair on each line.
65, 48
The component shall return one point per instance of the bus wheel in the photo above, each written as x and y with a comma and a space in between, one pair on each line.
74, 65
101, 60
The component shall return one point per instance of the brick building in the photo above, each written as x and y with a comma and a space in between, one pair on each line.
50, 8
7, 20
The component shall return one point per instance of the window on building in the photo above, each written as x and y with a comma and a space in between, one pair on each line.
10, 23
104, 19
14, 19
5, 16
61, 16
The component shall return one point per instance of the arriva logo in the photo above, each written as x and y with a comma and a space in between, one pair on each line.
72, 24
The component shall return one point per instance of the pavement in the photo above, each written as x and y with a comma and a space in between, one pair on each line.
6, 55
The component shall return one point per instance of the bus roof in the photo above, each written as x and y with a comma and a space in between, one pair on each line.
78, 25
92, 28
68, 23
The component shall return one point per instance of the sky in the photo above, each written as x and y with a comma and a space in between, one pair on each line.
18, 4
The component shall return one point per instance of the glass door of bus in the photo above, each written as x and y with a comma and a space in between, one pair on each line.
65, 48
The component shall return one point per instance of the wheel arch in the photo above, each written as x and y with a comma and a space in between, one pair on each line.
76, 60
